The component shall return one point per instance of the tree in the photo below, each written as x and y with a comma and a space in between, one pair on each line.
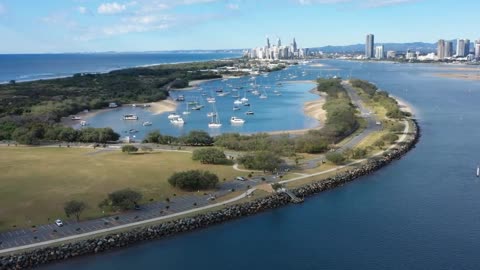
197, 138
123, 199
335, 158
264, 160
210, 156
129, 149
193, 180
75, 208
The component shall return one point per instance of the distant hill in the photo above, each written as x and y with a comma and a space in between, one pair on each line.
399, 47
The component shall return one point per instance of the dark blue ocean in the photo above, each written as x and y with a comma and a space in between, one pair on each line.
420, 212
26, 67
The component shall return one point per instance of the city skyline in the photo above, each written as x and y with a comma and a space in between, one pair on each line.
156, 25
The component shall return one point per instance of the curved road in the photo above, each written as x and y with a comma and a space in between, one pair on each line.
48, 234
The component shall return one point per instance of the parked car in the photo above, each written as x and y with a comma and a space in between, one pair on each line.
59, 222
240, 178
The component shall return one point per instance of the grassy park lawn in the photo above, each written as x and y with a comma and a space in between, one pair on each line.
36, 182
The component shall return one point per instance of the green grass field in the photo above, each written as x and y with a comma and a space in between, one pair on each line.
36, 182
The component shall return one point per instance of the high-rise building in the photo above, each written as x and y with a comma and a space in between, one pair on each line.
369, 46
448, 49
477, 49
391, 54
467, 47
279, 43
294, 45
441, 49
268, 43
379, 52
460, 48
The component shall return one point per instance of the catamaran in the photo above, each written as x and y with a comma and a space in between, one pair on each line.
236, 121
215, 123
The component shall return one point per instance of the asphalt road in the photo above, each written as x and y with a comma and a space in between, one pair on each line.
177, 204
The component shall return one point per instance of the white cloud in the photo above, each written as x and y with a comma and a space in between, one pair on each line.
233, 6
111, 8
82, 10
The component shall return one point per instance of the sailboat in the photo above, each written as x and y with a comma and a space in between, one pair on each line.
186, 111
478, 171
215, 122
236, 121
244, 99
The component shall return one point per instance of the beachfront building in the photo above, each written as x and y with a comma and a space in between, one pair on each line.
369, 46
379, 52
391, 54
448, 49
460, 48
277, 51
441, 49
477, 49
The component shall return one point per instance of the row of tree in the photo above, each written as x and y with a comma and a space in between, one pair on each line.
193, 138
33, 134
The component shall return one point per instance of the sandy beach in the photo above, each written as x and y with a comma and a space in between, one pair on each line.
163, 106
463, 76
404, 105
313, 109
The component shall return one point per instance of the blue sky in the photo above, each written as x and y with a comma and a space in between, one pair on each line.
145, 25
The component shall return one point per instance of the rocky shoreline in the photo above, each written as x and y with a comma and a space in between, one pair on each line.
46, 255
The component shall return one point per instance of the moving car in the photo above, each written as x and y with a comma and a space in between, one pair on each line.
240, 178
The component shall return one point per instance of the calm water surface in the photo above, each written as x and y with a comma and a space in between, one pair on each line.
422, 212
25, 67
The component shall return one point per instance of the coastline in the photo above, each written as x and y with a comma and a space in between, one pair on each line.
112, 241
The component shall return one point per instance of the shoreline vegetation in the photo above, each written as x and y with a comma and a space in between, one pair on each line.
341, 121
28, 110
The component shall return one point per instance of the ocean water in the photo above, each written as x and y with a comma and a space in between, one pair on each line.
420, 212
26, 67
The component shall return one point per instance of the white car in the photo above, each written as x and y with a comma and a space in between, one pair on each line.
240, 178
59, 222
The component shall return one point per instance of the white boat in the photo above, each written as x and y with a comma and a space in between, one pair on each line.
147, 123
236, 108
238, 102
130, 117
74, 117
133, 131
173, 116
211, 100
262, 96
478, 171
236, 121
134, 105
244, 99
177, 121
249, 113
255, 92
211, 114
83, 123
222, 94
215, 122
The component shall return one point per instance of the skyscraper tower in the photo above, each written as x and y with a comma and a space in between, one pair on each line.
467, 47
279, 42
448, 49
460, 48
294, 44
441, 49
369, 46
268, 43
